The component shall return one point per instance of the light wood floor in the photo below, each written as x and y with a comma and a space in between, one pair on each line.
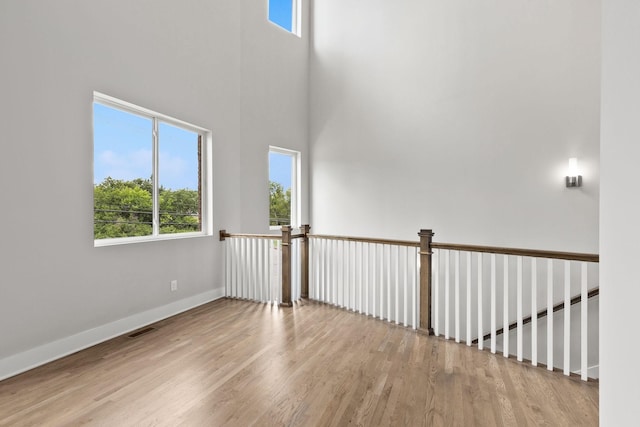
241, 363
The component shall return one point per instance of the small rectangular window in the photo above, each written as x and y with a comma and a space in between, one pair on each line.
284, 187
149, 174
285, 14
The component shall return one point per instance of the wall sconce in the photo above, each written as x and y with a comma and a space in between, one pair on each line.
573, 177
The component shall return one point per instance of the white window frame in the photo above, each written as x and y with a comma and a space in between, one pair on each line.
296, 17
206, 213
296, 171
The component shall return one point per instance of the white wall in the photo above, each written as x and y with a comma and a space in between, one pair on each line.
458, 116
620, 210
205, 62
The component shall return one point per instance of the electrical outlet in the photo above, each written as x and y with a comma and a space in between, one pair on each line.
174, 285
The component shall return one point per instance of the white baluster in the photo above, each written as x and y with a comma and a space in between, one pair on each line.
405, 284
388, 295
493, 303
414, 288
505, 306
367, 277
567, 317
258, 270
326, 277
295, 283
534, 312
480, 304
327, 270
340, 300
347, 276
252, 265
248, 269
382, 287
360, 249
238, 268
312, 269
584, 303
436, 292
265, 270
269, 270
550, 315
469, 298
397, 284
446, 294
353, 268
243, 258
519, 308
319, 267
227, 269
457, 295
279, 269
335, 298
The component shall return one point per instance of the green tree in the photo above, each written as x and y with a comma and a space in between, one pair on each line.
179, 211
125, 209
121, 209
279, 204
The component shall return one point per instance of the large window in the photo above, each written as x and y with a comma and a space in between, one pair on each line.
284, 187
150, 174
285, 14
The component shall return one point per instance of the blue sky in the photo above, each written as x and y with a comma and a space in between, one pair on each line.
280, 169
281, 13
123, 149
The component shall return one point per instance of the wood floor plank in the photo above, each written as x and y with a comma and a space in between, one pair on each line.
238, 363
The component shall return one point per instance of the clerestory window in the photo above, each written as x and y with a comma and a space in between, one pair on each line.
286, 14
150, 175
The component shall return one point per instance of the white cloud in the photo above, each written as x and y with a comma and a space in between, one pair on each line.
175, 171
123, 165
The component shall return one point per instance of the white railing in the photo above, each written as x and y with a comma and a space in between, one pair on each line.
536, 306
376, 278
253, 269
541, 303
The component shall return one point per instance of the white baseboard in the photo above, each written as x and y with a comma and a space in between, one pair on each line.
21, 362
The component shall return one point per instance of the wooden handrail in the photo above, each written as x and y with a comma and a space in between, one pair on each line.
571, 256
542, 313
366, 240
224, 235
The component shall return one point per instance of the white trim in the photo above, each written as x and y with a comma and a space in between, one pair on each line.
296, 19
150, 238
155, 185
119, 104
21, 362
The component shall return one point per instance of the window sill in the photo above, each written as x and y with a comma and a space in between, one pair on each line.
143, 239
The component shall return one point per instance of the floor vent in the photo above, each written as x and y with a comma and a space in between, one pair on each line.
136, 334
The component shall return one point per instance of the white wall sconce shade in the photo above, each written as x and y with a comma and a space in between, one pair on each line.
573, 179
